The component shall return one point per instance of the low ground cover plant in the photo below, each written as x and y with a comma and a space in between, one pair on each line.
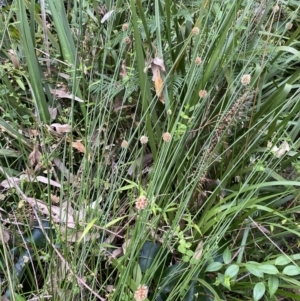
149, 150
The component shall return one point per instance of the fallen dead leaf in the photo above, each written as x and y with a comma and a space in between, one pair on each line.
35, 156
66, 214
53, 113
159, 62
79, 146
62, 94
123, 71
199, 250
72, 235
14, 58
116, 253
60, 165
106, 16
4, 236
61, 128
54, 199
158, 84
125, 245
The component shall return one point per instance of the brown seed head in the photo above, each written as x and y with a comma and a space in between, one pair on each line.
276, 8
124, 144
141, 203
127, 40
245, 79
195, 31
202, 93
144, 139
198, 61
166, 136
125, 26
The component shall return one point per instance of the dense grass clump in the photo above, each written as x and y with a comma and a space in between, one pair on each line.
149, 150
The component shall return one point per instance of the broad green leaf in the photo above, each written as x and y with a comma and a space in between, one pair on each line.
232, 270
181, 249
282, 260
18, 297
252, 268
273, 284
172, 275
213, 267
227, 256
258, 291
291, 270
148, 254
268, 269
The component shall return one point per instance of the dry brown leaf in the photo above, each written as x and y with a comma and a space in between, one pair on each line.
67, 174
41, 179
66, 214
34, 203
53, 113
35, 156
125, 245
260, 227
71, 235
14, 58
106, 16
199, 250
7, 184
62, 94
61, 128
4, 236
54, 199
116, 253
159, 62
79, 146
158, 83
123, 71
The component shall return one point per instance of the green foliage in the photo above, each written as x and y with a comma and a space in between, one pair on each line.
160, 139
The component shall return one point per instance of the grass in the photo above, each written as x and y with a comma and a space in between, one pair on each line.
149, 150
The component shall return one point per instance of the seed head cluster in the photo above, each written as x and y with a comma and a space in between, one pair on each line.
141, 203
144, 139
141, 293
125, 26
127, 40
245, 79
276, 8
198, 61
202, 93
195, 31
166, 137
227, 122
124, 144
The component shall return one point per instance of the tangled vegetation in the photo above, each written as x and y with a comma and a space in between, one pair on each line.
149, 150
